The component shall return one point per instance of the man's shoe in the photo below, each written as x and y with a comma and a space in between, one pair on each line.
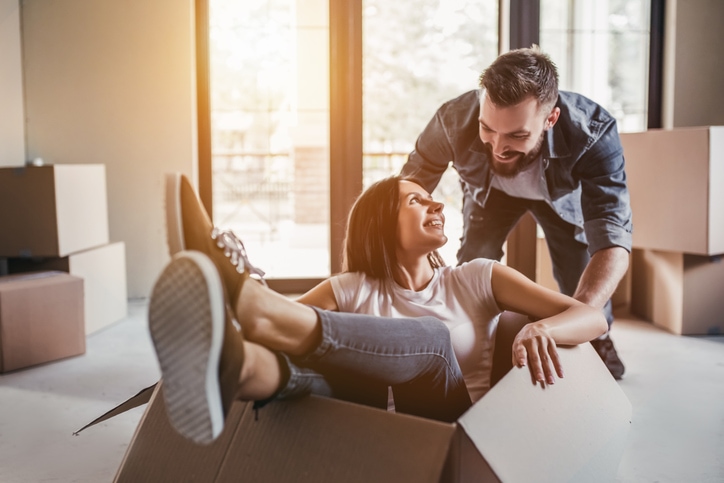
198, 346
189, 228
608, 354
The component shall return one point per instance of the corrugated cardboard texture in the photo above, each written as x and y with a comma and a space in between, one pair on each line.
317, 439
104, 271
674, 177
158, 454
573, 431
465, 463
558, 433
41, 319
679, 292
29, 228
716, 193
313, 439
52, 211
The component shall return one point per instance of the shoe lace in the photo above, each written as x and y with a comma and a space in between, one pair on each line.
234, 249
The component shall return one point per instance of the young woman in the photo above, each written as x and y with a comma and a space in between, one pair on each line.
393, 270
396, 317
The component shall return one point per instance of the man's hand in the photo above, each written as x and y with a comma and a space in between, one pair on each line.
534, 346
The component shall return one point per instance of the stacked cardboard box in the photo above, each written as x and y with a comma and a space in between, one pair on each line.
56, 218
41, 319
675, 178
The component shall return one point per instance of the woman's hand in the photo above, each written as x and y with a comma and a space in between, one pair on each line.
535, 347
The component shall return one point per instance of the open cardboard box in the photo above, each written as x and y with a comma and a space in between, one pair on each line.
572, 431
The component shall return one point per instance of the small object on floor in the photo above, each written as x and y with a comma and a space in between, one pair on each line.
607, 351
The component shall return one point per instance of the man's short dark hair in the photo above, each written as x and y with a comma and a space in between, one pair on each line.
519, 74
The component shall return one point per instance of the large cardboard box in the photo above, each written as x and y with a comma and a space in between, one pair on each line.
620, 299
104, 271
679, 292
572, 431
675, 178
52, 211
41, 319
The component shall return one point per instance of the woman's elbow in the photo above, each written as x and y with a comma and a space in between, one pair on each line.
601, 324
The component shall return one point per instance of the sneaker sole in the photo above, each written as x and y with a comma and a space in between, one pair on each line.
186, 320
174, 221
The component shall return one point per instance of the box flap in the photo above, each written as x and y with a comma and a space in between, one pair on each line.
574, 428
318, 439
142, 397
157, 453
464, 462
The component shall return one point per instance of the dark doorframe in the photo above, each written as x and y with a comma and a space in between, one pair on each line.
522, 241
345, 118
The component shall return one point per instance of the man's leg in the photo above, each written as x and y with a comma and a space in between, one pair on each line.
569, 258
485, 229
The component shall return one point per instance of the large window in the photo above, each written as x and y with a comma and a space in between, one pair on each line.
417, 55
269, 63
601, 49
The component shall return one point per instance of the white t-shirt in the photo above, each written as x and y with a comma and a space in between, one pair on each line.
461, 297
529, 184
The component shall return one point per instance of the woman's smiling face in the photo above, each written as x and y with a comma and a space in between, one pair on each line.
420, 221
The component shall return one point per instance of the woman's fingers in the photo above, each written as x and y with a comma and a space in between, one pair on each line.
540, 354
553, 351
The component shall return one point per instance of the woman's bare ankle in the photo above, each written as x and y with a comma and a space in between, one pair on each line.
260, 376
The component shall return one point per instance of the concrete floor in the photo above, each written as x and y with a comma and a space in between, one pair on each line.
675, 384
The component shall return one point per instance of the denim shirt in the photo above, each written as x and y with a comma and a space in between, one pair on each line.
582, 157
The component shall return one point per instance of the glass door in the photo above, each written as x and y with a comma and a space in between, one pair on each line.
269, 96
417, 55
602, 51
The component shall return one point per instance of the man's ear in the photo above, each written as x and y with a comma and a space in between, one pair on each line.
552, 118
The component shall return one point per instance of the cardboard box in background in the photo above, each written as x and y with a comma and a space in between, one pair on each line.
679, 292
52, 211
573, 431
675, 178
621, 298
104, 271
41, 319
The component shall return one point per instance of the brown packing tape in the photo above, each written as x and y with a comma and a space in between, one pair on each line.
141, 398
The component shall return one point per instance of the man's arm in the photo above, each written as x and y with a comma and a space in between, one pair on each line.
431, 156
601, 276
607, 218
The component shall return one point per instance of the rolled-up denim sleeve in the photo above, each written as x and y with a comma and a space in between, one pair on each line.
605, 201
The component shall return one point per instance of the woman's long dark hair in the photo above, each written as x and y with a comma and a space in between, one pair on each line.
371, 241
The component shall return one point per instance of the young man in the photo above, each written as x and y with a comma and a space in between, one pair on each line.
519, 145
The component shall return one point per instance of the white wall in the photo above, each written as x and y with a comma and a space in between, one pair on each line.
113, 82
12, 132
